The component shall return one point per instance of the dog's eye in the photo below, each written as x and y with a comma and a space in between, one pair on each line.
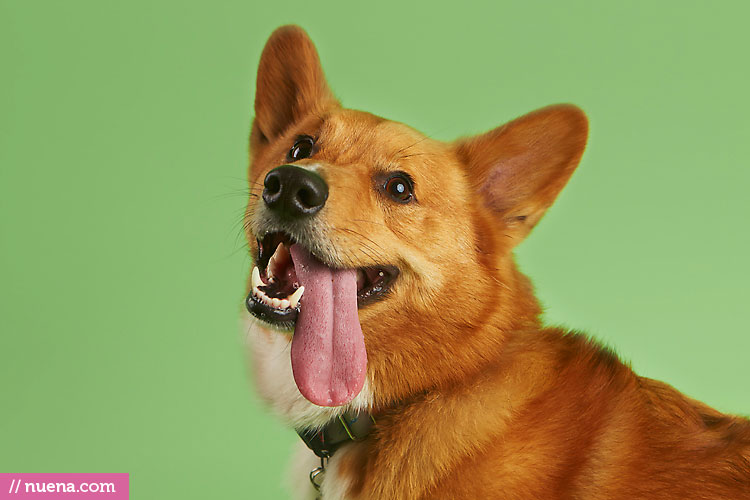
399, 187
303, 148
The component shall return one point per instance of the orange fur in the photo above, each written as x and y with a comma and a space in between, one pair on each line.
473, 397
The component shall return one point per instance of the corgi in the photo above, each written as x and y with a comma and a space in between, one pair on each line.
390, 327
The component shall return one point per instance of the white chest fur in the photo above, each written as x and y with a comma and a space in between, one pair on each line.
333, 487
272, 368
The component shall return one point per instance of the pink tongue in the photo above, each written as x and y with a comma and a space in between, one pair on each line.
329, 361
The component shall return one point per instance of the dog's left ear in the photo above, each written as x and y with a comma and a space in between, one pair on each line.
290, 85
521, 167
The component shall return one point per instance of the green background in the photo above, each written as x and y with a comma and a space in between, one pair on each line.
123, 149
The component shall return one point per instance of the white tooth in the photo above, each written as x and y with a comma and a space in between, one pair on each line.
256, 281
272, 261
284, 303
294, 299
275, 303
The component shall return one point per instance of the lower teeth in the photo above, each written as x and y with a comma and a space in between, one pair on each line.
290, 302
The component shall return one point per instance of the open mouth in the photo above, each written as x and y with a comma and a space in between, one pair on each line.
294, 289
277, 295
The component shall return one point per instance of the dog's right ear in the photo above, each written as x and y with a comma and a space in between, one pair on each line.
290, 85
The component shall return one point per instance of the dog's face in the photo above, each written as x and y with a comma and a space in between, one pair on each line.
380, 251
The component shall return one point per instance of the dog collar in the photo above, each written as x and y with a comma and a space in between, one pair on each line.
351, 426
324, 441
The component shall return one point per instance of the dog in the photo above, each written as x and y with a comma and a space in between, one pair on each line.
390, 326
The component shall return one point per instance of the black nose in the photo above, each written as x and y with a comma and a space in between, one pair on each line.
294, 192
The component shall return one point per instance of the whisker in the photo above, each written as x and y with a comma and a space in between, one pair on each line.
403, 157
363, 236
368, 221
366, 249
410, 146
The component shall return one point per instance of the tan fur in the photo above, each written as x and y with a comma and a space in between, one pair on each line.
473, 397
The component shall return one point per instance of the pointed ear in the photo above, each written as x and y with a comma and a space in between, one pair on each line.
290, 84
519, 168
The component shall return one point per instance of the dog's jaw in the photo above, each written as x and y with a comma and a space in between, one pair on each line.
270, 350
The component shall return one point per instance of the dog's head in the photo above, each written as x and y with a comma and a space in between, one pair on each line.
382, 252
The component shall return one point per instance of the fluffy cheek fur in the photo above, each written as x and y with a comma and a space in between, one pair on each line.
271, 360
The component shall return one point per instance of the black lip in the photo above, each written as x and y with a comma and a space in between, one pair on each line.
286, 319
379, 290
281, 319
